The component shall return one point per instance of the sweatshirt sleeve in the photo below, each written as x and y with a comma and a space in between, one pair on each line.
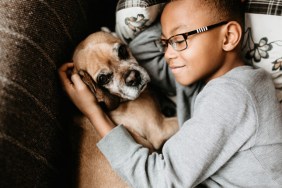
149, 56
223, 123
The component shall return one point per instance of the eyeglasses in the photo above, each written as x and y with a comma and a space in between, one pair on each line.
179, 41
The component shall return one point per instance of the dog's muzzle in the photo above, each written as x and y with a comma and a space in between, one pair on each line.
135, 81
132, 78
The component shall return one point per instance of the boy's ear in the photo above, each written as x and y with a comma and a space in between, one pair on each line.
232, 35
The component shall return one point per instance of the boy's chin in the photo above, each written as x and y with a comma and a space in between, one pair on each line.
185, 82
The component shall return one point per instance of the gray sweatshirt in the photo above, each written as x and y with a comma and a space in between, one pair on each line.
230, 136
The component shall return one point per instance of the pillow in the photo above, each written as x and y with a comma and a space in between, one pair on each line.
262, 46
132, 17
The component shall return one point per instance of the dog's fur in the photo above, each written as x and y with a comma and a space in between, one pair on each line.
107, 66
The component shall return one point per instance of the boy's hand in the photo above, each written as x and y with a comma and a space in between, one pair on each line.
77, 90
84, 99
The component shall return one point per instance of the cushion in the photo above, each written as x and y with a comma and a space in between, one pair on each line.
35, 38
262, 46
132, 17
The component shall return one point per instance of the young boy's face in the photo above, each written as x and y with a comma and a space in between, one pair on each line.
203, 58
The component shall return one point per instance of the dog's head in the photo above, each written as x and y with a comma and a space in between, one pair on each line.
107, 66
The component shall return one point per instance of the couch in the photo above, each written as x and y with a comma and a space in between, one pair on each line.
36, 37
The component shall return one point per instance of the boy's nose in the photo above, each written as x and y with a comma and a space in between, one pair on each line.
170, 53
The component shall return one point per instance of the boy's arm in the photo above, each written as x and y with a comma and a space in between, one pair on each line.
202, 146
148, 55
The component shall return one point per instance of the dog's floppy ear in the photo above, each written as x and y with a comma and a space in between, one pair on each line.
103, 96
87, 79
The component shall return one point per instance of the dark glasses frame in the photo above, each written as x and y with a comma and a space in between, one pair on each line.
164, 42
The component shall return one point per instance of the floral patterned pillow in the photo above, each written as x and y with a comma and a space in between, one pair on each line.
133, 16
262, 45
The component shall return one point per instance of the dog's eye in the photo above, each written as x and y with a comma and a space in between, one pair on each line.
122, 52
104, 79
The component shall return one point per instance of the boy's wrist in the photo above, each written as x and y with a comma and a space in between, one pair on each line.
101, 122
93, 111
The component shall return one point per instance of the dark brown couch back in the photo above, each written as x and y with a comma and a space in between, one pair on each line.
36, 37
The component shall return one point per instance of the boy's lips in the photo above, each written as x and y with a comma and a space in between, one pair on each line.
175, 69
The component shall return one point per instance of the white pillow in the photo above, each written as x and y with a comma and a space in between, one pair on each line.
262, 45
133, 16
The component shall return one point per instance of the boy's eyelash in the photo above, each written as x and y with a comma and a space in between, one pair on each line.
179, 41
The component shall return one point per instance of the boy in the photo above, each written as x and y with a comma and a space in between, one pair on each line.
231, 133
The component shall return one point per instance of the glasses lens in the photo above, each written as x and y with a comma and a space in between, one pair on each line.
178, 42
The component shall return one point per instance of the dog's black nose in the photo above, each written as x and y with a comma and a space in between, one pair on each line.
132, 78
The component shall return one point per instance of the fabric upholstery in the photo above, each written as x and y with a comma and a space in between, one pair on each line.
37, 36
273, 7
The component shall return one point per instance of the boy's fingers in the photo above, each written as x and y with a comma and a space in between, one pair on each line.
63, 72
68, 78
66, 66
81, 87
75, 78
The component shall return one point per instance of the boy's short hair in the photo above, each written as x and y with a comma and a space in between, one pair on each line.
224, 10
229, 10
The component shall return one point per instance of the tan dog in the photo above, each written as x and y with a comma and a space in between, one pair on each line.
107, 66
